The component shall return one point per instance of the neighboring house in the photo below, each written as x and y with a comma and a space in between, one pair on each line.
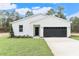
42, 25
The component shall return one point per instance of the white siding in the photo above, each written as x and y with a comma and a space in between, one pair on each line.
26, 29
43, 21
53, 22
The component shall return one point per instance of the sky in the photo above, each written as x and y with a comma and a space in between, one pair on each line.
70, 9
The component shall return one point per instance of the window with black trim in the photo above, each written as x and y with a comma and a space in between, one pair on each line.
20, 28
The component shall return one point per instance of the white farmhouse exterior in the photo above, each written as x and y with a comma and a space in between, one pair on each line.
43, 26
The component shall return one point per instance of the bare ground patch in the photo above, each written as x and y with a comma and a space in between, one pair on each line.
4, 34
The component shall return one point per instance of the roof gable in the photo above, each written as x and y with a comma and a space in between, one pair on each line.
54, 18
40, 17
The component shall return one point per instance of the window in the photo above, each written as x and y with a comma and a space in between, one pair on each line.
20, 28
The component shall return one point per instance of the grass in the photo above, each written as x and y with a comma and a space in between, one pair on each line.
23, 47
76, 37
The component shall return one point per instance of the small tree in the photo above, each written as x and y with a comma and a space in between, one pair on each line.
11, 31
51, 12
60, 12
75, 24
28, 13
60, 15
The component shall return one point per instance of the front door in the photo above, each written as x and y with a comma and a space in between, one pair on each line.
36, 31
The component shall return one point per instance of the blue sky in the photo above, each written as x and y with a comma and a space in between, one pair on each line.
22, 8
69, 8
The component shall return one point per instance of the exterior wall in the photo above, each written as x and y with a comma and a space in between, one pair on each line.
41, 31
28, 27
68, 31
53, 22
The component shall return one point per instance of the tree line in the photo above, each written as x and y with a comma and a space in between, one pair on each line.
59, 12
9, 16
6, 17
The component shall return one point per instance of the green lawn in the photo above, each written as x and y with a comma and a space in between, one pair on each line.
23, 47
76, 37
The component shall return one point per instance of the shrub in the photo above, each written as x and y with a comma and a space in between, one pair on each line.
22, 36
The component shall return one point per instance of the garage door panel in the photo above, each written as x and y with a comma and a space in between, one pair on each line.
55, 31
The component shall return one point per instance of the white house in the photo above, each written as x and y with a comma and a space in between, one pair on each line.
42, 26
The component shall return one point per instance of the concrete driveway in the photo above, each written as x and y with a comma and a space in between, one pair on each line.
63, 46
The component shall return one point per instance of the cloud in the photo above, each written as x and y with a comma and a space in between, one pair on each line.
22, 11
6, 6
35, 10
35, 7
42, 10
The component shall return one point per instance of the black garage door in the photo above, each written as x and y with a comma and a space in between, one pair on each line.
55, 31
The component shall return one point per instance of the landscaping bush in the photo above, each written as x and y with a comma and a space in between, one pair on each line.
22, 36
